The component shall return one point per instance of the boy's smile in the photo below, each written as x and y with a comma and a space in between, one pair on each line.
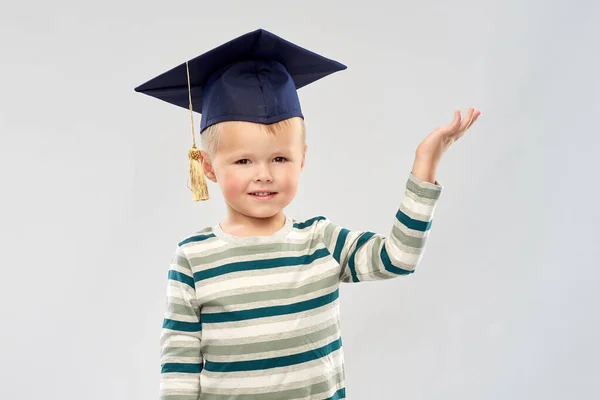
263, 195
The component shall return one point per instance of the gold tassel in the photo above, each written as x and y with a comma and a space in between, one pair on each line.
197, 178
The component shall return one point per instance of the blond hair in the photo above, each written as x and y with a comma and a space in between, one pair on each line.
209, 139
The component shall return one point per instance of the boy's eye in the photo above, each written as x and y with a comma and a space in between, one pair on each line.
277, 159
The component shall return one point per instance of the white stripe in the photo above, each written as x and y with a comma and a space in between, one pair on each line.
302, 236
204, 247
398, 254
416, 207
180, 383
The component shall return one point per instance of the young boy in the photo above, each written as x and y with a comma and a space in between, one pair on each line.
252, 302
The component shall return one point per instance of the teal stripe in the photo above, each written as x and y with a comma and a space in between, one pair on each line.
195, 368
387, 263
183, 278
307, 223
182, 326
339, 245
340, 394
271, 311
413, 223
268, 363
364, 238
260, 264
196, 238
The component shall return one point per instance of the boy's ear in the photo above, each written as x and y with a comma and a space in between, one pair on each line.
303, 157
209, 172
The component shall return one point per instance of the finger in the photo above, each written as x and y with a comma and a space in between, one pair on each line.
457, 119
477, 114
458, 130
453, 126
467, 120
461, 133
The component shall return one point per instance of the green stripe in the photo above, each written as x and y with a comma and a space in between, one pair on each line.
298, 393
275, 362
278, 294
179, 351
179, 397
200, 260
179, 309
260, 264
407, 240
263, 312
271, 345
424, 192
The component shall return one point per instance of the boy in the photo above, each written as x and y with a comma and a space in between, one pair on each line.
252, 302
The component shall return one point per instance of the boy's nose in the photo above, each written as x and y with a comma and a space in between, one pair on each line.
263, 173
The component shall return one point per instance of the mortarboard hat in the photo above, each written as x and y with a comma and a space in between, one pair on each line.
251, 78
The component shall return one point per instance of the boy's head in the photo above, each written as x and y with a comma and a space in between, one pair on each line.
246, 91
246, 157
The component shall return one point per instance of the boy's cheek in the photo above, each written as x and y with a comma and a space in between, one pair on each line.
233, 185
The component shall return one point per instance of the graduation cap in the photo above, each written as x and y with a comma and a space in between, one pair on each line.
253, 78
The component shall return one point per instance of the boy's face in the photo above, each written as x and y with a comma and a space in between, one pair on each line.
250, 159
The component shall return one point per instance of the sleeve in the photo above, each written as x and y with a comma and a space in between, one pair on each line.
180, 356
369, 256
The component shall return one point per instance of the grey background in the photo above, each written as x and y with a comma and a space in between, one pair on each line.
94, 195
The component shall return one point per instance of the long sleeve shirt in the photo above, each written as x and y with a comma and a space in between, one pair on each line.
251, 318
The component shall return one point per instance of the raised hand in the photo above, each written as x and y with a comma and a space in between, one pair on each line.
441, 138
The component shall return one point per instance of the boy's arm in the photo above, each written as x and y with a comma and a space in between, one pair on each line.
368, 256
180, 356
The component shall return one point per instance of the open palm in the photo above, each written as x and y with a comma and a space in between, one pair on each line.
441, 138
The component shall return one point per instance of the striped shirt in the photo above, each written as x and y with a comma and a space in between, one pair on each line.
251, 318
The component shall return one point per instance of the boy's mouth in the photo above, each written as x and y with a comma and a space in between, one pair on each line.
263, 194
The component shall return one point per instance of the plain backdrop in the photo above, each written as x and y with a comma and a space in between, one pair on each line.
94, 196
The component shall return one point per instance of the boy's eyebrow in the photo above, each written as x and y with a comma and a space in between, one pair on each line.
245, 153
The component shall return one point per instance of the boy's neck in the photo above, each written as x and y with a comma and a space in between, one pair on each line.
237, 224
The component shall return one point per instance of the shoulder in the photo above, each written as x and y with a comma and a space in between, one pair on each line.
311, 226
313, 222
195, 237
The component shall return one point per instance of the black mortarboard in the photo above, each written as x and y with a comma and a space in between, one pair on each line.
251, 78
